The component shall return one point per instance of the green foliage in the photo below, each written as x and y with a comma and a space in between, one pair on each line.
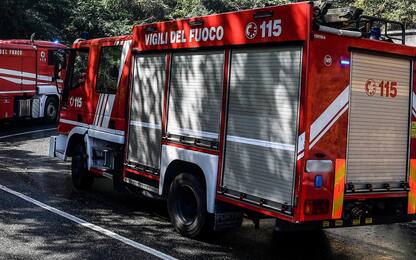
67, 19
21, 18
402, 10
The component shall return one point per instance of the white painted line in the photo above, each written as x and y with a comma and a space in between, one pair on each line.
89, 225
26, 133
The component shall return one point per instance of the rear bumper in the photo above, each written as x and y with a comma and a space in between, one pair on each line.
339, 223
375, 220
379, 209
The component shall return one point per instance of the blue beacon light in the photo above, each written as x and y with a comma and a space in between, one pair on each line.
318, 181
345, 62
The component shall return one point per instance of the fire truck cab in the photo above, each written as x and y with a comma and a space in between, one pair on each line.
276, 112
28, 87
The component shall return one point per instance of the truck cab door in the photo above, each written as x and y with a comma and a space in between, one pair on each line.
28, 72
73, 99
45, 70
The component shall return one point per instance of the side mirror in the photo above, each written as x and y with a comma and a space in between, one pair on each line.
59, 57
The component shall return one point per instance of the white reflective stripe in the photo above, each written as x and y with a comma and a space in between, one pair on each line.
328, 126
14, 80
97, 108
146, 125
107, 130
108, 110
71, 122
300, 156
414, 104
95, 115
326, 118
117, 43
19, 81
17, 91
28, 82
102, 111
11, 72
24, 81
44, 78
27, 75
301, 143
193, 133
257, 142
106, 136
126, 47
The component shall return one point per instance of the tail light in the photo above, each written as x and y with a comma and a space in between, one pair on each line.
319, 166
316, 207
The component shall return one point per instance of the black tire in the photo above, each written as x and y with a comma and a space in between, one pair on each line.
187, 206
51, 110
82, 179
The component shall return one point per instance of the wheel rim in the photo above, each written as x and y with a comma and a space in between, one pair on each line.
187, 204
51, 111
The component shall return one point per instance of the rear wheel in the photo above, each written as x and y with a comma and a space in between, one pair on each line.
187, 206
81, 178
51, 110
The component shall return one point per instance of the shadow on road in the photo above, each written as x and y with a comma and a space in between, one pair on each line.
19, 126
24, 167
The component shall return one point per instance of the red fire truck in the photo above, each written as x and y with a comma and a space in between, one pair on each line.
301, 113
27, 84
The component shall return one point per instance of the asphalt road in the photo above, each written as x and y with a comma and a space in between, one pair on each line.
111, 220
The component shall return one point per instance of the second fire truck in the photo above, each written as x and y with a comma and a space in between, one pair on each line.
291, 112
28, 87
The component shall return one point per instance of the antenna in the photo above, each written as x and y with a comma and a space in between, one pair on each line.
32, 38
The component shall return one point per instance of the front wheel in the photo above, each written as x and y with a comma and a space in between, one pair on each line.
187, 206
51, 110
81, 178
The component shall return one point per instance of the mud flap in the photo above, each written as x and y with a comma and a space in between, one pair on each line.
118, 183
227, 217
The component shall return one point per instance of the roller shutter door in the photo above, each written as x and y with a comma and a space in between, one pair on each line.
195, 94
262, 124
144, 142
378, 122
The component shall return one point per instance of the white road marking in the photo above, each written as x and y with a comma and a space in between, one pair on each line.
26, 133
89, 225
